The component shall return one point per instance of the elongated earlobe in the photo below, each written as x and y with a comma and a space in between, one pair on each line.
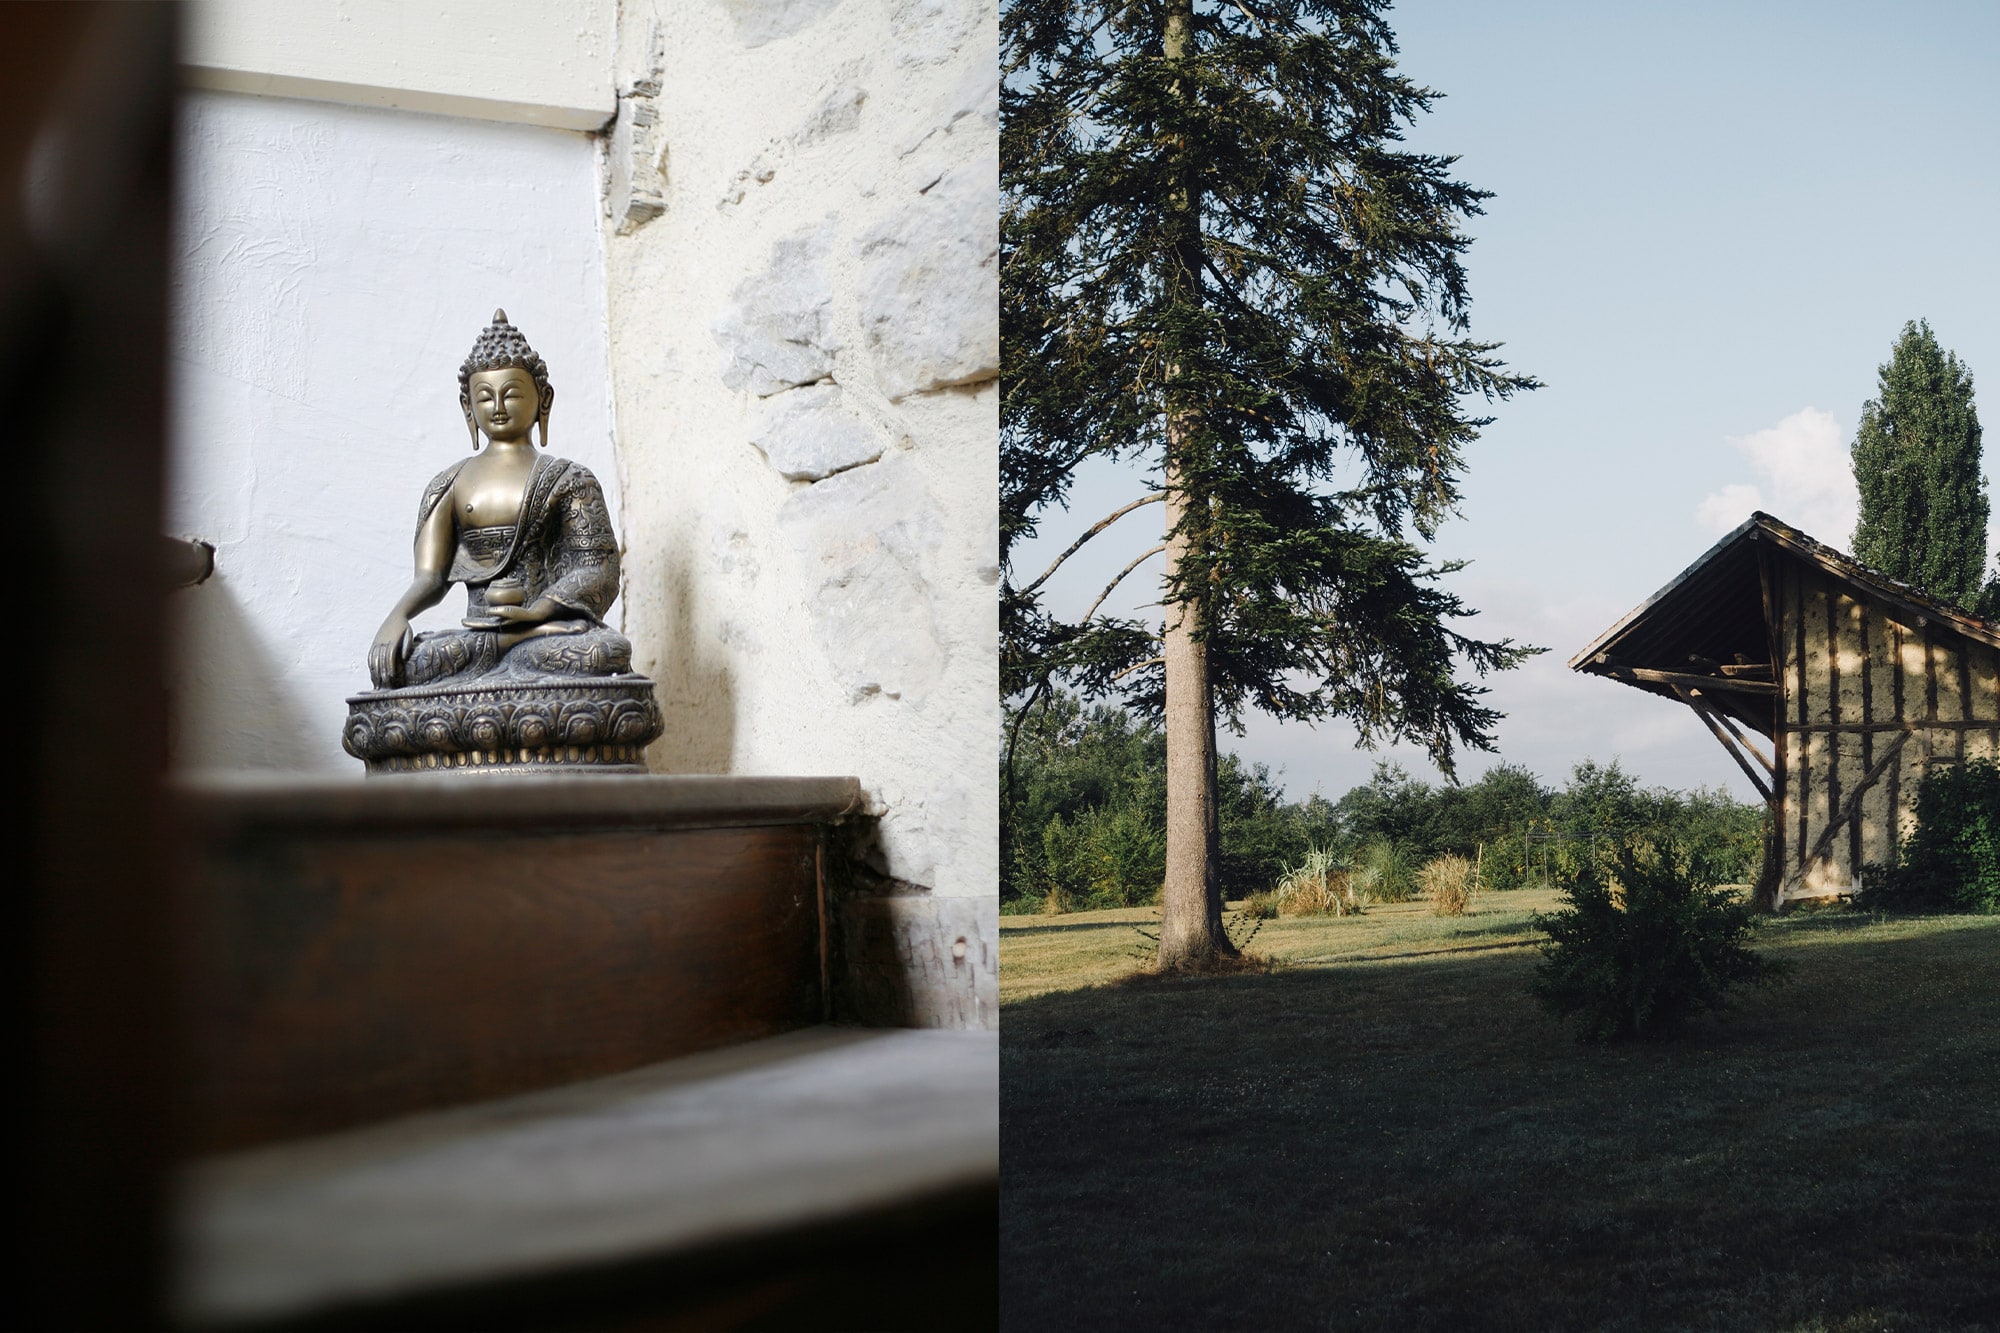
471, 426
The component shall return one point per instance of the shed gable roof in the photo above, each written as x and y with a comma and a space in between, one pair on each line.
1715, 609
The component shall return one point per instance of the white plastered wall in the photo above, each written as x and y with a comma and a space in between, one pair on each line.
802, 260
333, 266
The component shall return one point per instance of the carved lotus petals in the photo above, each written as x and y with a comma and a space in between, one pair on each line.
537, 725
631, 726
532, 728
485, 728
580, 727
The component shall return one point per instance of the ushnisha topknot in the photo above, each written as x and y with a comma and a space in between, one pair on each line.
501, 347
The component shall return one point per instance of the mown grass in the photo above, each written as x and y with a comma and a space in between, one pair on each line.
1384, 1132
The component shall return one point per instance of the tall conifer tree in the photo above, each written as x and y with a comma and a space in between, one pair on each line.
1219, 261
1916, 463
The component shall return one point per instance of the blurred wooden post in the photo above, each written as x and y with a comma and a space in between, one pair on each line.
85, 157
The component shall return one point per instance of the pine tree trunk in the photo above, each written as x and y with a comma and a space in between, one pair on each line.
1191, 933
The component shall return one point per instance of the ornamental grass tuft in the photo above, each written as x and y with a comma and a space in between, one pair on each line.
1450, 883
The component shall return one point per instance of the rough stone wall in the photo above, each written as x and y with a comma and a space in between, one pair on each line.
801, 213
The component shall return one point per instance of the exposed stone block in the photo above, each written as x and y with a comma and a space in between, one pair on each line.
930, 287
638, 149
777, 330
929, 32
761, 21
807, 434
862, 541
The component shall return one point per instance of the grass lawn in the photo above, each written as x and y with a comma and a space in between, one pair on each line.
1385, 1132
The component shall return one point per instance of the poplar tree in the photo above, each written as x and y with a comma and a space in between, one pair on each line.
1220, 263
1916, 464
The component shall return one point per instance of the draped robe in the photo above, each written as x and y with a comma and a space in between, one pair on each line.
561, 547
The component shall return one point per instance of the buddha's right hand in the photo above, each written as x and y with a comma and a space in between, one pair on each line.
388, 653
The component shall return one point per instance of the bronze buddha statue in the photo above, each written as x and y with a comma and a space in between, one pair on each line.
533, 679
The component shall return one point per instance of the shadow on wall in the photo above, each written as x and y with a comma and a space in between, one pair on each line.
231, 708
902, 955
697, 690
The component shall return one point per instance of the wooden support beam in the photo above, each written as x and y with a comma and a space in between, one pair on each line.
1852, 803
1701, 711
1746, 742
1700, 682
1920, 724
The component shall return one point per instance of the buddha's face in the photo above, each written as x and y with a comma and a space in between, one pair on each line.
504, 402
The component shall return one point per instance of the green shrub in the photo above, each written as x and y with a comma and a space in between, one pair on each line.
1503, 863
1383, 871
1110, 856
1261, 906
1449, 883
1952, 862
1647, 941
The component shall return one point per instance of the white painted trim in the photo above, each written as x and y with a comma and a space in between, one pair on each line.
213, 79
528, 62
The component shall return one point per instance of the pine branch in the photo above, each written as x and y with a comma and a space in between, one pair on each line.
1140, 560
1139, 666
1095, 528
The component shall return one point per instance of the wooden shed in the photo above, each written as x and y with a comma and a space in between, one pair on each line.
1834, 687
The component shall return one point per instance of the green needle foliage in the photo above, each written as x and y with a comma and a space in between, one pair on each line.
1647, 941
1229, 240
1916, 462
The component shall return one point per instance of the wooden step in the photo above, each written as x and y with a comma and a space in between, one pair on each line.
828, 1178
363, 950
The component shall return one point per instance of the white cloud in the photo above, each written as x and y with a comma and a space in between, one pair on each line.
1802, 467
1724, 509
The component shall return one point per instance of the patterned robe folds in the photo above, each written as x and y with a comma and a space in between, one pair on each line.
560, 547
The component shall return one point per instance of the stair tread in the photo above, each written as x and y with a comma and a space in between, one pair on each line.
792, 1130
454, 799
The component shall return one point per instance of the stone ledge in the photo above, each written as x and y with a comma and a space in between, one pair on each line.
809, 1127
244, 803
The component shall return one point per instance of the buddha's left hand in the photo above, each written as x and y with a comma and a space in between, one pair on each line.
541, 609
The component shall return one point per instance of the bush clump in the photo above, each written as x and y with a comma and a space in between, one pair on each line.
1320, 886
1646, 942
1450, 883
1382, 871
1952, 862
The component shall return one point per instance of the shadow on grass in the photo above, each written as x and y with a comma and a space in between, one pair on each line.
1060, 927
1320, 960
1416, 1146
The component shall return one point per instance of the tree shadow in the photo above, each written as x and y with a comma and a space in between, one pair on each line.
1419, 1146
1062, 927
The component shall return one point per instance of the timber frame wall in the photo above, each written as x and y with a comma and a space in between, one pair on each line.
1862, 685
1871, 697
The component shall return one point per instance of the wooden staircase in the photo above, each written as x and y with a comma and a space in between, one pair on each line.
516, 1052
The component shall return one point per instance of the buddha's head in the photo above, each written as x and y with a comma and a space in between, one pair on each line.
503, 387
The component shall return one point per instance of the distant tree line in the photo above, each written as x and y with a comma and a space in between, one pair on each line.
1082, 817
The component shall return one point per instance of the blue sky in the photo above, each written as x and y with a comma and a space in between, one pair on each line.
1709, 224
